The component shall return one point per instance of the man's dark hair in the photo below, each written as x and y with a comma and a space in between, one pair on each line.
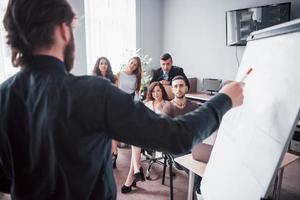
166, 56
179, 77
30, 25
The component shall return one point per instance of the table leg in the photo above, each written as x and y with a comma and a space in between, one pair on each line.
191, 185
280, 176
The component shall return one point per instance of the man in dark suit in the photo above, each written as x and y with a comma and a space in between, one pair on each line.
167, 71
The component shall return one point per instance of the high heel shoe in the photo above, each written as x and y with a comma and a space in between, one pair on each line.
139, 176
114, 160
126, 189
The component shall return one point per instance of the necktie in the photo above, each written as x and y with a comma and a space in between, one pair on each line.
165, 76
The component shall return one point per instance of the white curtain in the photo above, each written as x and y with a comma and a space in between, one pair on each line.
6, 68
110, 30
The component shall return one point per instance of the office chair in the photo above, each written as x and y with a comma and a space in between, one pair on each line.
169, 92
150, 157
170, 159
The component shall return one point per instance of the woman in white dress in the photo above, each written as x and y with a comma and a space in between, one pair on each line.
128, 80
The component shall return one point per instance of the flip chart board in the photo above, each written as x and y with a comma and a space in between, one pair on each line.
253, 138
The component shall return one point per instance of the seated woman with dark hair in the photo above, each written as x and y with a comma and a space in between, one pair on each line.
156, 99
103, 69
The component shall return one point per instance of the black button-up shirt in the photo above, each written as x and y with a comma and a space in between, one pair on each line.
56, 131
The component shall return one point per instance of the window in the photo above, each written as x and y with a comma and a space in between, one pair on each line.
110, 30
6, 68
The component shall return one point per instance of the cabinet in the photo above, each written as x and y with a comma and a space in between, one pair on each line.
295, 142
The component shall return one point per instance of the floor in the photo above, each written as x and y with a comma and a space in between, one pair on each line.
150, 189
155, 190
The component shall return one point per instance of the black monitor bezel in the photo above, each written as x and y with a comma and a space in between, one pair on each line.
235, 10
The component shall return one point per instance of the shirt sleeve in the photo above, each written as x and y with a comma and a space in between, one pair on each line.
133, 123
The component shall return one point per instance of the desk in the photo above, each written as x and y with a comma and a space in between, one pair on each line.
288, 159
196, 167
199, 97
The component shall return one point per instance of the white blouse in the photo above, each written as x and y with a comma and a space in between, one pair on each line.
126, 82
150, 105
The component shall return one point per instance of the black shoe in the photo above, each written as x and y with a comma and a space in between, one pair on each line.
139, 176
126, 189
114, 160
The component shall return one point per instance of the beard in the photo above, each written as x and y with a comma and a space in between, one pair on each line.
69, 53
180, 95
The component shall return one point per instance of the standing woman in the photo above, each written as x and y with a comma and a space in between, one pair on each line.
129, 79
103, 68
156, 99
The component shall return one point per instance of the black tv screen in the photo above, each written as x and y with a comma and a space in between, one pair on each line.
240, 23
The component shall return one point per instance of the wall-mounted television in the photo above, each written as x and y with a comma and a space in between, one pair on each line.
240, 23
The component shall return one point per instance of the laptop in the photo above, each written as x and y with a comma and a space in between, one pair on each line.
212, 85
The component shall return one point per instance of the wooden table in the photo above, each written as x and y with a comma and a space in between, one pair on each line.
288, 159
196, 167
198, 97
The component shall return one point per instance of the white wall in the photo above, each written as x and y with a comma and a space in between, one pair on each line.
149, 29
194, 33
148, 32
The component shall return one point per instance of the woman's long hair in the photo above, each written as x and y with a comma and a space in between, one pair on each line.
151, 88
138, 73
109, 74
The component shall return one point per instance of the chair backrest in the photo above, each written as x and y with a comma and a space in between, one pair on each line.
193, 85
201, 152
168, 89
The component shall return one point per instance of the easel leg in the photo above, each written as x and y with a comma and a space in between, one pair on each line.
191, 185
280, 176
